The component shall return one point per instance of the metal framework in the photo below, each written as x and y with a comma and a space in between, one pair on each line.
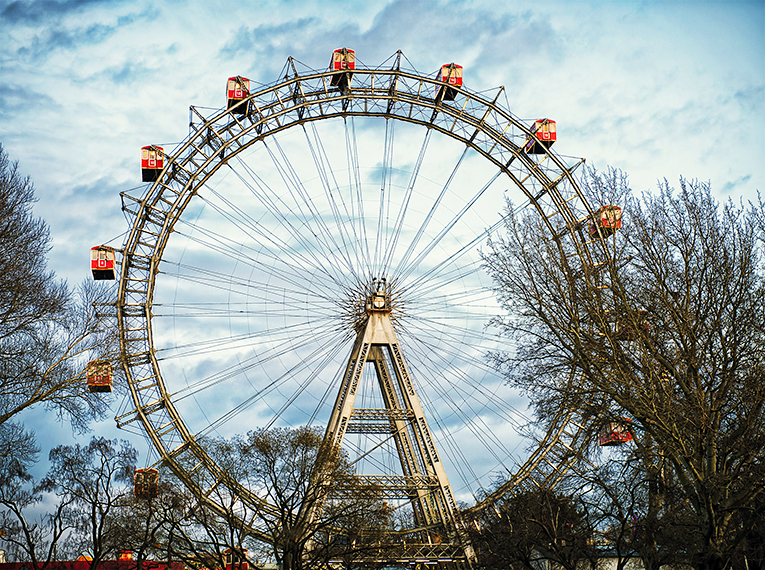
423, 481
479, 123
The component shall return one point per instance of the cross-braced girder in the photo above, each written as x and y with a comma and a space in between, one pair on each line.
423, 480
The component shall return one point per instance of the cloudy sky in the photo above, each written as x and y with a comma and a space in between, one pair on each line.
657, 89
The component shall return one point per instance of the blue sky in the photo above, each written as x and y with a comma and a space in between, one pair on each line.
657, 89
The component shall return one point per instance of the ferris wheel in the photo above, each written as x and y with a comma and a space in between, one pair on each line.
311, 255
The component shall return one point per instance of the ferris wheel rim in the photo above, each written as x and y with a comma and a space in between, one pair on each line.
178, 171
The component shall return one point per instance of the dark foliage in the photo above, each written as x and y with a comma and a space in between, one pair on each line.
528, 529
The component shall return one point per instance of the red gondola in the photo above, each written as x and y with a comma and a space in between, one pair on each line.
451, 75
152, 162
237, 90
99, 375
544, 137
343, 59
146, 483
607, 219
627, 328
236, 559
125, 555
614, 433
102, 262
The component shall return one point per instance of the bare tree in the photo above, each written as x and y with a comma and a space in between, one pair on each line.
191, 531
94, 480
291, 469
327, 512
670, 338
47, 332
638, 510
144, 525
529, 528
29, 535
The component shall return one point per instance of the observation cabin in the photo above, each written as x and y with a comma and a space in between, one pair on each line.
152, 162
629, 325
102, 263
544, 135
451, 76
146, 483
343, 59
237, 90
605, 221
99, 376
378, 300
614, 433
236, 559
